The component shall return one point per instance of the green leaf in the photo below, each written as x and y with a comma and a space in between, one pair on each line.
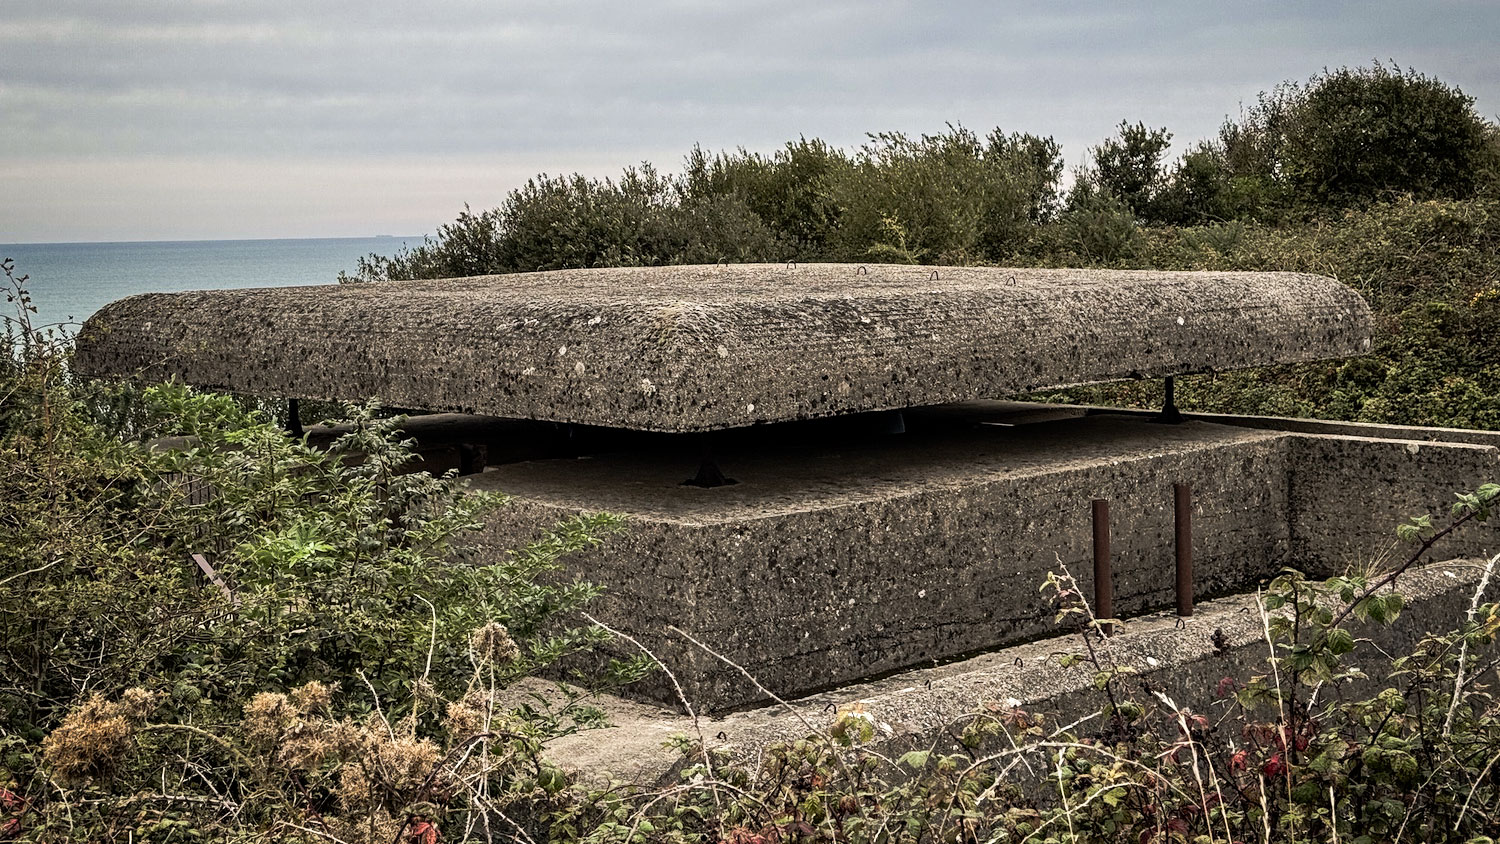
1340, 641
916, 759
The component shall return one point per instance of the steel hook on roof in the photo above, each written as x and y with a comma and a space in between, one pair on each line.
934, 275
862, 270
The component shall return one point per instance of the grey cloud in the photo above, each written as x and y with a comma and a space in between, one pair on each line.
565, 82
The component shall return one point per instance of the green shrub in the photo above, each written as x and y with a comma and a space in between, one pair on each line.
1355, 136
1428, 270
790, 190
1128, 169
1099, 228
956, 198
336, 577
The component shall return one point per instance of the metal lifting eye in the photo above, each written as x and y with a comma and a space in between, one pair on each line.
791, 265
934, 275
862, 270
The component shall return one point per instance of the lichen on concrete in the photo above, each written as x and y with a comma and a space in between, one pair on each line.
711, 347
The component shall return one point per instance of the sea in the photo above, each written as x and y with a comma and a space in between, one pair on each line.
70, 281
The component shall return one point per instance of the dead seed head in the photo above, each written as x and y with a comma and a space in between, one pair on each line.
94, 739
313, 698
492, 644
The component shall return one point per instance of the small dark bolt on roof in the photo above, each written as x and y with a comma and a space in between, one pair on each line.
707, 347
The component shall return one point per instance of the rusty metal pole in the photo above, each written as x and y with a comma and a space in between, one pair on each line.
1104, 587
1183, 493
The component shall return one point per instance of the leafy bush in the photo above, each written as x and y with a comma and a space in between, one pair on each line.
790, 190
1356, 136
1099, 228
955, 198
1427, 268
330, 569
568, 222
1127, 169
1345, 139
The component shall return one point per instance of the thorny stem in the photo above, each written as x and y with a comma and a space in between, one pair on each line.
1391, 576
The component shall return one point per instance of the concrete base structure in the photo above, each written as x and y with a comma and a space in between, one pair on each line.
914, 709
836, 559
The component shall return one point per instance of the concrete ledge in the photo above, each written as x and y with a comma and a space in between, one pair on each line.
700, 348
1224, 638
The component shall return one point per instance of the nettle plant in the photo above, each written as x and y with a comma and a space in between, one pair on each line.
1312, 748
341, 562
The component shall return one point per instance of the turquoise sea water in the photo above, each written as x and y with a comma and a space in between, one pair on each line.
69, 281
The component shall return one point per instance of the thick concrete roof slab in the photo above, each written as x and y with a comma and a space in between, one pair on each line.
709, 347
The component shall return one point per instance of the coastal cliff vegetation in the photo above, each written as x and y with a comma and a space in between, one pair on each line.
210, 631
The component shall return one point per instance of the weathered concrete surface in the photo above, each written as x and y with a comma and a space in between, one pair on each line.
1349, 494
828, 564
711, 347
838, 561
1224, 638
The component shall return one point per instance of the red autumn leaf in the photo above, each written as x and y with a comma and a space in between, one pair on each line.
1274, 767
421, 832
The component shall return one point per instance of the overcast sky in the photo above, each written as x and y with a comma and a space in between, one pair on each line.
182, 119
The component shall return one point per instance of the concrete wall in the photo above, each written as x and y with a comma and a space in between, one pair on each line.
831, 564
808, 584
1348, 495
1224, 638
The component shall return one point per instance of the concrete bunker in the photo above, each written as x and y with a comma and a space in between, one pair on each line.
889, 511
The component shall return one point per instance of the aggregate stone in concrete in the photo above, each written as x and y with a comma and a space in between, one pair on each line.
914, 710
834, 562
710, 347
828, 564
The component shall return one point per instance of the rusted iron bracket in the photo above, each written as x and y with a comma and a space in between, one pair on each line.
1104, 581
1182, 495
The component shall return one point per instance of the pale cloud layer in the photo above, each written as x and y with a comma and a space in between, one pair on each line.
132, 119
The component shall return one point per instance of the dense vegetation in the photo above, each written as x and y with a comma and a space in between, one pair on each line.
135, 686
343, 676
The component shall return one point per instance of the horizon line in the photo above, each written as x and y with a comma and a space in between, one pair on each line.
208, 240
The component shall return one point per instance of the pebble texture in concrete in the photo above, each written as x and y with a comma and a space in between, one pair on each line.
829, 564
826, 565
710, 347
914, 710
